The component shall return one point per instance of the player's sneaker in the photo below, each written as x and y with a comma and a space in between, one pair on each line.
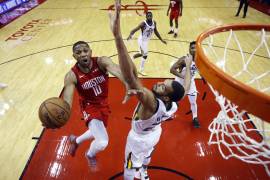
196, 122
144, 174
73, 145
92, 163
175, 35
170, 32
142, 73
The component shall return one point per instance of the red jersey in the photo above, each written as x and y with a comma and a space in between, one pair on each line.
175, 5
92, 86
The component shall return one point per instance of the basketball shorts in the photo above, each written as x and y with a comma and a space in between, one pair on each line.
139, 147
174, 15
192, 90
99, 112
143, 44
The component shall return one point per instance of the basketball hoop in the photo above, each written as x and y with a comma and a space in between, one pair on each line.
242, 93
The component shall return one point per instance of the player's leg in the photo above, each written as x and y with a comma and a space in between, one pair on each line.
144, 52
194, 109
240, 7
172, 16
245, 9
76, 141
192, 96
150, 142
133, 160
146, 162
176, 27
137, 55
100, 141
171, 26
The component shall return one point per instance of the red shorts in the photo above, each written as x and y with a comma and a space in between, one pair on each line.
174, 15
99, 112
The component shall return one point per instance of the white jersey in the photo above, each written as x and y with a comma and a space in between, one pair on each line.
153, 123
193, 71
147, 31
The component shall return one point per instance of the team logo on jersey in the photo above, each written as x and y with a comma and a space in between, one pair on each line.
93, 82
140, 7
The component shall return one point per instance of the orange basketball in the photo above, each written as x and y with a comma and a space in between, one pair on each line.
54, 113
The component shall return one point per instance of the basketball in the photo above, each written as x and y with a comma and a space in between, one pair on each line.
54, 113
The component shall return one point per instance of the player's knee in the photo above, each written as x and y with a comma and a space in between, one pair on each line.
102, 144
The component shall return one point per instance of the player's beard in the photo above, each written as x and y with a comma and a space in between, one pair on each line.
155, 93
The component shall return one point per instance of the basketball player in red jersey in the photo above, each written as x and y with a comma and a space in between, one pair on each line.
176, 9
90, 77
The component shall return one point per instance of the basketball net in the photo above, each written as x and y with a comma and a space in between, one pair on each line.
235, 132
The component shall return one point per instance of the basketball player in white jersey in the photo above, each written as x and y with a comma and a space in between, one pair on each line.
147, 28
179, 70
154, 106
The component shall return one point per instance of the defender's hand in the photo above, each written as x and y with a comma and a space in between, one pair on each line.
115, 18
188, 60
132, 92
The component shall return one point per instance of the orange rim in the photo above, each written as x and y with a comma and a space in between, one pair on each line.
246, 97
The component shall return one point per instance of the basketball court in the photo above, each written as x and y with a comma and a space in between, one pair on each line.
36, 53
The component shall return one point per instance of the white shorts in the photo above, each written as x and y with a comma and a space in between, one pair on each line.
192, 90
143, 44
140, 147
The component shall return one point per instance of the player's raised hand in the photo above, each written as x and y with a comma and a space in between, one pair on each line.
132, 92
115, 19
188, 60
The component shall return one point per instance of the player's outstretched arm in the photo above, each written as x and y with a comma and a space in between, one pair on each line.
188, 60
69, 87
158, 35
177, 67
135, 30
127, 67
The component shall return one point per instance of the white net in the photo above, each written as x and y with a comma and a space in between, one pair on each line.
235, 132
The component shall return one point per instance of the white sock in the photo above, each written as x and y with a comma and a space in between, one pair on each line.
176, 30
171, 28
101, 138
193, 105
142, 64
85, 136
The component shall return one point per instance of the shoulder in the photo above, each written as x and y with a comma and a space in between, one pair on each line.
103, 61
142, 24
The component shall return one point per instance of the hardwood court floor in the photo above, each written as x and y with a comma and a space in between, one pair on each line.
35, 54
